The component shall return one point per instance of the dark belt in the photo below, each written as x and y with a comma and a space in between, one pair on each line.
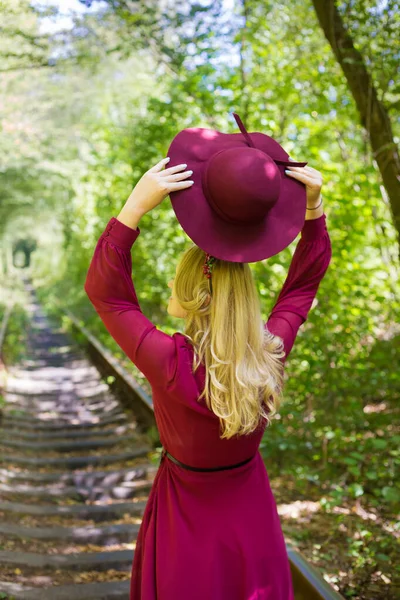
181, 464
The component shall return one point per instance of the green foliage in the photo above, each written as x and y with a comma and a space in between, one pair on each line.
78, 136
14, 347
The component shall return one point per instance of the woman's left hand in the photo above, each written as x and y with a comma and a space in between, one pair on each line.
156, 184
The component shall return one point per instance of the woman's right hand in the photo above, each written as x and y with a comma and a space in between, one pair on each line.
312, 180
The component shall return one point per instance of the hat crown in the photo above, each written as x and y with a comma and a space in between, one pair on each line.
242, 207
241, 184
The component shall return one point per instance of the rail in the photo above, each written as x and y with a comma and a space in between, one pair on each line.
3, 329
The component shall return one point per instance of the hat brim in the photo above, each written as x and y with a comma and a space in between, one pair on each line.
229, 241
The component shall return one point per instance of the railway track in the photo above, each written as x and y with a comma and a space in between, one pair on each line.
76, 469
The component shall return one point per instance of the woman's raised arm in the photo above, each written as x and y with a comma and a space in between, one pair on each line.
309, 264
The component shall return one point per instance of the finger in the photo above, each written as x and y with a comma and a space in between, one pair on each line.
314, 171
294, 160
159, 165
299, 171
297, 168
307, 169
178, 176
181, 185
174, 169
303, 177
309, 178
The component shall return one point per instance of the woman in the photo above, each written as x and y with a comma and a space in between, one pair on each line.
209, 534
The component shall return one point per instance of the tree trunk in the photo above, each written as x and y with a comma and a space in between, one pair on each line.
373, 114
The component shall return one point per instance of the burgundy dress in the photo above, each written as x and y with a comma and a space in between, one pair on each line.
204, 535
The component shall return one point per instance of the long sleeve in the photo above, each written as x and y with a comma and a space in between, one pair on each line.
110, 289
309, 264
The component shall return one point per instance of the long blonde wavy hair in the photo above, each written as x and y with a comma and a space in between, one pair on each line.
242, 358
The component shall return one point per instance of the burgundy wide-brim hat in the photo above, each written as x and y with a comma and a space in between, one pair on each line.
242, 207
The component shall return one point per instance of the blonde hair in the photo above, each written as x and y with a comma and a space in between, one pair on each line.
242, 358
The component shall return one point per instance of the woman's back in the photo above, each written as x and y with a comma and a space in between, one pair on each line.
214, 534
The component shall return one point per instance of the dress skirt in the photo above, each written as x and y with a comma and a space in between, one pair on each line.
211, 536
